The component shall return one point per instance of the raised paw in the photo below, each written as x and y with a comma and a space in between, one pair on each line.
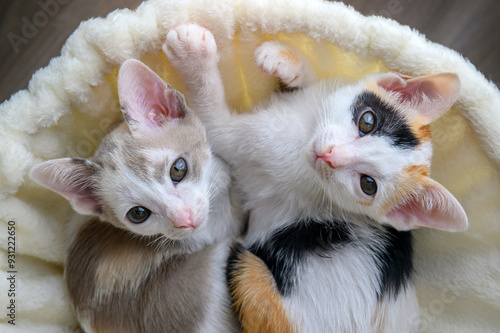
282, 62
190, 45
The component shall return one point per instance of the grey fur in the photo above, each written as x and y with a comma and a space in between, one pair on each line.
151, 302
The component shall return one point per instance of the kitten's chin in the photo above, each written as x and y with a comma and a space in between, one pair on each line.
324, 171
180, 233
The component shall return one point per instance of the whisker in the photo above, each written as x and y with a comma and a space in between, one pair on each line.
157, 239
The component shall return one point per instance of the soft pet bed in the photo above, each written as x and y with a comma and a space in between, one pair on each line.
72, 103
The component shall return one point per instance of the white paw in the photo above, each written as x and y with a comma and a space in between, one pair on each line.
190, 45
280, 61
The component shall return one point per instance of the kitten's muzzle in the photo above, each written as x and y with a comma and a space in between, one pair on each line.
184, 220
336, 156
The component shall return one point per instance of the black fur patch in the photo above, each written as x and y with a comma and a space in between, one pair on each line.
289, 246
389, 121
395, 263
286, 89
237, 251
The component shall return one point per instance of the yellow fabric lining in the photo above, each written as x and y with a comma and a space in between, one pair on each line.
239, 71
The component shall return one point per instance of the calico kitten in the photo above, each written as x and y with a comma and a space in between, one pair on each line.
334, 176
149, 254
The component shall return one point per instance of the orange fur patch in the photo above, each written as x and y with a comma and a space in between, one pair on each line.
256, 298
396, 198
424, 133
413, 178
418, 172
372, 86
290, 56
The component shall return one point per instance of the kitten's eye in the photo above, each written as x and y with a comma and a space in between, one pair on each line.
367, 123
368, 185
178, 170
138, 214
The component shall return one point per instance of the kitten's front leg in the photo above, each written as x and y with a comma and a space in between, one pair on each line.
193, 51
283, 62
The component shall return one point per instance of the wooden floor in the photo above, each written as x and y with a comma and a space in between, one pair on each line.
471, 27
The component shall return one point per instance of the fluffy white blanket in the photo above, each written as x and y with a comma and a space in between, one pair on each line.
70, 105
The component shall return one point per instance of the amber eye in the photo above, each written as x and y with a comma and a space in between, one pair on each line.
367, 123
178, 170
138, 214
368, 185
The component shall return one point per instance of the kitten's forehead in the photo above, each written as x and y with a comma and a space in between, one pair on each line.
153, 161
149, 157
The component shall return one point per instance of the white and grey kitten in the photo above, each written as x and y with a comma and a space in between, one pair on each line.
149, 253
334, 176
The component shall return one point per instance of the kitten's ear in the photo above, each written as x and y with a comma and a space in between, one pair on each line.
147, 101
433, 207
71, 178
428, 96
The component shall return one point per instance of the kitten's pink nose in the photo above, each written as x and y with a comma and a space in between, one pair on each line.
184, 220
336, 156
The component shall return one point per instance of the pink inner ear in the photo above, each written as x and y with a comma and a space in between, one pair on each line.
408, 91
160, 105
83, 200
147, 99
391, 82
429, 96
71, 179
434, 207
410, 216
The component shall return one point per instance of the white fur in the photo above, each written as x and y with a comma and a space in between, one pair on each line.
292, 74
219, 316
335, 294
215, 225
